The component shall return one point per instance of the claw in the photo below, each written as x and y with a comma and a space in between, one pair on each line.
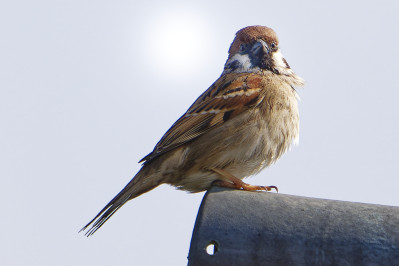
236, 183
269, 188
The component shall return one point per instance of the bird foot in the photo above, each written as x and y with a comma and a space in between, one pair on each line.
231, 181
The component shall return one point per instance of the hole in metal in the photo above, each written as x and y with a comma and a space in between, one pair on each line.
212, 248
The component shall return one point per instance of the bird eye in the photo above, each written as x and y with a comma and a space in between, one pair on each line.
274, 45
242, 47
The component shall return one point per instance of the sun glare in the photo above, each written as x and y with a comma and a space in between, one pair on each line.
176, 43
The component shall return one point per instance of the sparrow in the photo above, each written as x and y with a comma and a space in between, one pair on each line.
241, 124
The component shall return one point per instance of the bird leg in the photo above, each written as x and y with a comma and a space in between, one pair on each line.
236, 183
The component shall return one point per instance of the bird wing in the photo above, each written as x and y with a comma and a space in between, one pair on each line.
228, 97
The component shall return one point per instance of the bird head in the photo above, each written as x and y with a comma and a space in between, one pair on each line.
255, 49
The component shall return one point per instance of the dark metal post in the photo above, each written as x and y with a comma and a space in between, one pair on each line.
259, 228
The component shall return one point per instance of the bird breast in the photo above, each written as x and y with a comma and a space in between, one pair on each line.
255, 139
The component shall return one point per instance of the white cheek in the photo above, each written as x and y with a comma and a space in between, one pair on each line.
242, 64
282, 68
278, 60
244, 60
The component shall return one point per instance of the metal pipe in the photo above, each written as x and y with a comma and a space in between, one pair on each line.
257, 228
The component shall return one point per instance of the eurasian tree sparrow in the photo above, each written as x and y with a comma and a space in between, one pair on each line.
243, 123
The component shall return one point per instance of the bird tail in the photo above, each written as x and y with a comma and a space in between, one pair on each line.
140, 184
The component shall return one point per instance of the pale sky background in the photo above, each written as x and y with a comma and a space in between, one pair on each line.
87, 88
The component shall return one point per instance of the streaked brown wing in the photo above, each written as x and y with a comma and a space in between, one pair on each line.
228, 97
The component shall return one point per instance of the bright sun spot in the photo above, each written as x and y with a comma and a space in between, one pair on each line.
177, 43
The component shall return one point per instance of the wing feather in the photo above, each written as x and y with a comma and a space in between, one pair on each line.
228, 97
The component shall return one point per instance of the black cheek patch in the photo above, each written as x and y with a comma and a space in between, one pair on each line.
233, 65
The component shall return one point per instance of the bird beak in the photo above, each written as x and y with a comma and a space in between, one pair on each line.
260, 47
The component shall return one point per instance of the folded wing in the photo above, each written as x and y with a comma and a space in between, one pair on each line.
228, 97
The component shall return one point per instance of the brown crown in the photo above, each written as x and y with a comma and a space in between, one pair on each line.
250, 34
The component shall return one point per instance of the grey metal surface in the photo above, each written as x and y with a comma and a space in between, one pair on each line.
259, 228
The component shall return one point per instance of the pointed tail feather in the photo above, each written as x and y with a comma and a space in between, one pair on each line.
134, 188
